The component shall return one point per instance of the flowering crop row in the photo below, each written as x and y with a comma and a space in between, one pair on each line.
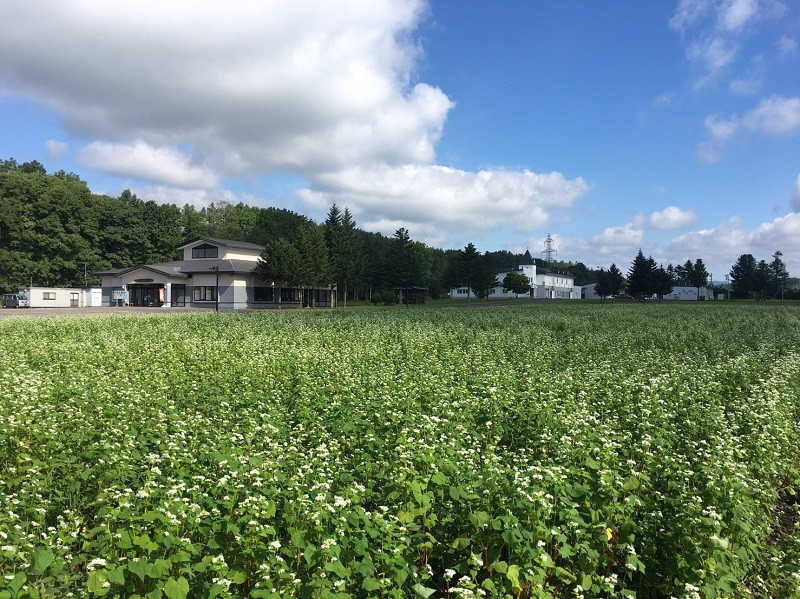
554, 450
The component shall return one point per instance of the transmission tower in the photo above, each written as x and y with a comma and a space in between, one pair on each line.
549, 251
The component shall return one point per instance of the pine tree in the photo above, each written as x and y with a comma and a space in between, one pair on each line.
698, 276
743, 275
640, 276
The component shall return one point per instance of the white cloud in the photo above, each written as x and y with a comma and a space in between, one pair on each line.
671, 218
429, 199
787, 46
689, 12
296, 85
713, 54
721, 246
715, 31
735, 14
774, 116
142, 161
55, 148
628, 235
746, 86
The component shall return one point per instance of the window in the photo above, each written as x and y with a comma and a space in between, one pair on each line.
205, 293
263, 294
462, 290
48, 295
178, 295
205, 251
289, 294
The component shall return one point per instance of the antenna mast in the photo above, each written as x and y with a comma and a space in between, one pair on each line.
549, 251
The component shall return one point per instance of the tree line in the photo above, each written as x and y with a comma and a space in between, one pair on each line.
55, 232
747, 279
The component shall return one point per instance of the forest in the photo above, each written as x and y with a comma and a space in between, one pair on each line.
55, 232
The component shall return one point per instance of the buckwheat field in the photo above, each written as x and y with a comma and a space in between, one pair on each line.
550, 450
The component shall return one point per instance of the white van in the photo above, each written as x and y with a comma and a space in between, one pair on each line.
16, 300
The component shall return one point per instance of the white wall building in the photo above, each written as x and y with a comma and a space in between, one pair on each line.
53, 297
546, 282
689, 293
585, 291
213, 273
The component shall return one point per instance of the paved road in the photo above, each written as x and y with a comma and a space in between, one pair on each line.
45, 312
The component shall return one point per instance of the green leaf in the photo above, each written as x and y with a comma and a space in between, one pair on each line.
565, 575
479, 519
176, 589
138, 567
630, 484
15, 584
371, 584
513, 576
592, 464
42, 559
237, 576
586, 581
499, 566
460, 543
117, 575
98, 582
423, 591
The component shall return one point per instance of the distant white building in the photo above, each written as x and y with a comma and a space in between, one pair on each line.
689, 293
546, 283
53, 297
585, 291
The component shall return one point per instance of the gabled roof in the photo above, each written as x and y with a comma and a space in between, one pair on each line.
229, 243
225, 266
170, 269
527, 260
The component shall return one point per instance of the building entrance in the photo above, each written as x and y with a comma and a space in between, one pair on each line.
146, 295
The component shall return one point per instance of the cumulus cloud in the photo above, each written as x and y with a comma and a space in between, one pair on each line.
294, 85
671, 218
774, 116
56, 148
430, 198
722, 245
142, 161
627, 235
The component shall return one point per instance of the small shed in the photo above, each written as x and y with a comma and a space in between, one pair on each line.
411, 295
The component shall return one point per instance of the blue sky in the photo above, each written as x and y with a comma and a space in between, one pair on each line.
668, 126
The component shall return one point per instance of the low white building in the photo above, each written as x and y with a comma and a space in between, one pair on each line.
213, 273
546, 282
689, 293
53, 297
585, 291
